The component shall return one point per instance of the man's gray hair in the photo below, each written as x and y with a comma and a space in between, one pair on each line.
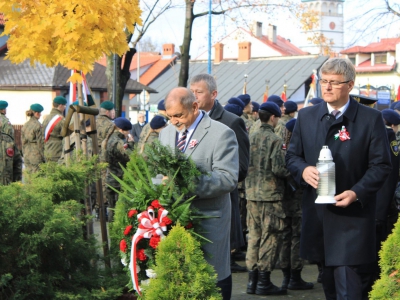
208, 79
339, 66
186, 101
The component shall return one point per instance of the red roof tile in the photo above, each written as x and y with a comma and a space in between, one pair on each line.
282, 45
384, 45
365, 67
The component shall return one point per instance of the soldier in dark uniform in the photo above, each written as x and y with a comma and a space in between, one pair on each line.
235, 106
52, 126
33, 139
116, 147
275, 99
289, 257
256, 107
265, 187
5, 125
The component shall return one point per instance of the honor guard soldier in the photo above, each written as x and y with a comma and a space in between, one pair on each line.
5, 125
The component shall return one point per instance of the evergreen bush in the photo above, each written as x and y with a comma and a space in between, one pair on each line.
181, 270
43, 253
388, 285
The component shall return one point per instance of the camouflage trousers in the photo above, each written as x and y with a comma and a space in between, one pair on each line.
265, 236
289, 255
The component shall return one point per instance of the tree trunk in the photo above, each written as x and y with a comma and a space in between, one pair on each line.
185, 48
123, 75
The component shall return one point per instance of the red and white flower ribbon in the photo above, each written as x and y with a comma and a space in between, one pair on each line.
149, 225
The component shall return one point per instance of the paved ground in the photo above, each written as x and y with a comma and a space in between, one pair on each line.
309, 274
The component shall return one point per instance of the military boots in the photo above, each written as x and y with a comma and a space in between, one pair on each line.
266, 287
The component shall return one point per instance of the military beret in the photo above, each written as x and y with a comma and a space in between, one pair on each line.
237, 101
36, 107
245, 98
60, 100
275, 99
123, 123
234, 108
316, 101
397, 106
158, 122
256, 106
364, 99
161, 105
290, 125
392, 106
77, 103
3, 104
108, 105
290, 107
391, 116
271, 107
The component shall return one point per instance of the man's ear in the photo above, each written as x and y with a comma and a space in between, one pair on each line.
214, 95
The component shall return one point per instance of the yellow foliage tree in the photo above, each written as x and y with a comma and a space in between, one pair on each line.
71, 33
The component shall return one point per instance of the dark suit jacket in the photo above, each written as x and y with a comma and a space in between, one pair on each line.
136, 130
341, 236
237, 124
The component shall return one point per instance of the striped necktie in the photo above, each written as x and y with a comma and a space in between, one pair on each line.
182, 141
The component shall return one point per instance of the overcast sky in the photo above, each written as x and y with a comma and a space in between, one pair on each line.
169, 27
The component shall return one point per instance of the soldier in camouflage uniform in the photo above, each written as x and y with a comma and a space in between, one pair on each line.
289, 257
265, 187
33, 139
161, 112
116, 149
104, 126
247, 111
5, 125
10, 160
52, 126
156, 125
290, 111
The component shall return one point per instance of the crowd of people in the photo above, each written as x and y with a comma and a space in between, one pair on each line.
262, 178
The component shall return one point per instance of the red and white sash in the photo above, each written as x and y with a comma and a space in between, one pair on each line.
49, 128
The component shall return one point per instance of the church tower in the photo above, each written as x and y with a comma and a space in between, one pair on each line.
331, 25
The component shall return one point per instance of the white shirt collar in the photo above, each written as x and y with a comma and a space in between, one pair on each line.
341, 109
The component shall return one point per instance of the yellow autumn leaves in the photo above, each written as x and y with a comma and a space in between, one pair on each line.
71, 33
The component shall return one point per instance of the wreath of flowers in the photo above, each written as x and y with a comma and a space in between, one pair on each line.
145, 211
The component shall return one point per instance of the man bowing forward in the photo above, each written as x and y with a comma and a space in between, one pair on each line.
213, 147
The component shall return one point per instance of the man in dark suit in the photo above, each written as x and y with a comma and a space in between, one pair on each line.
340, 235
137, 128
204, 87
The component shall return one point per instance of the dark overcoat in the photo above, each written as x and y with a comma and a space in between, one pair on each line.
341, 236
237, 124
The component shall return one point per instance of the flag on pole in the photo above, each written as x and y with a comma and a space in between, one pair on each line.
244, 88
398, 93
312, 91
265, 97
283, 96
87, 95
72, 90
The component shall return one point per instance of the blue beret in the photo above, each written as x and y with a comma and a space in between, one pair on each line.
60, 100
271, 107
245, 98
290, 125
393, 105
275, 99
3, 104
316, 101
77, 103
256, 106
234, 108
161, 105
290, 107
158, 122
108, 105
36, 107
391, 116
397, 106
123, 123
237, 101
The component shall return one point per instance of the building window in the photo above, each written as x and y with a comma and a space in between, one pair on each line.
353, 60
380, 58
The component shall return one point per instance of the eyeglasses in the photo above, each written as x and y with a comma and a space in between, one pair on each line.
333, 83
